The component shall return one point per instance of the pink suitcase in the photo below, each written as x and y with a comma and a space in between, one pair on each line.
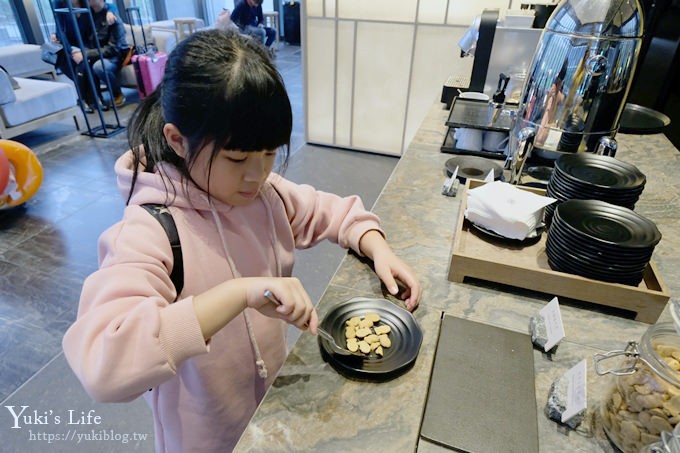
149, 70
149, 65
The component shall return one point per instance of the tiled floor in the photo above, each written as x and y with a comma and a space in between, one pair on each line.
48, 246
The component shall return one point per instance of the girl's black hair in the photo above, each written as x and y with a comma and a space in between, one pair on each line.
218, 87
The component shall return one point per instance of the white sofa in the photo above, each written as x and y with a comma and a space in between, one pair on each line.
23, 60
34, 103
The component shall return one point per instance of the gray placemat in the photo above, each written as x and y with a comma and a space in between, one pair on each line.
482, 395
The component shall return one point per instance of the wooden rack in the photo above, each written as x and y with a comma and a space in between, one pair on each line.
526, 266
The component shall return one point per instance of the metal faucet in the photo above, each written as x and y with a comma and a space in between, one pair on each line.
515, 162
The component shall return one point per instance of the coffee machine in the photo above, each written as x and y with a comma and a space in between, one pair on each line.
498, 47
578, 81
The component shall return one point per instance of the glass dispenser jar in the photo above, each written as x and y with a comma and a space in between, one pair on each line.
643, 400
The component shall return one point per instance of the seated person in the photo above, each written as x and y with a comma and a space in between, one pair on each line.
114, 48
67, 34
247, 16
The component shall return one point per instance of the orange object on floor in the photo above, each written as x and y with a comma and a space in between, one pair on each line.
4, 171
25, 168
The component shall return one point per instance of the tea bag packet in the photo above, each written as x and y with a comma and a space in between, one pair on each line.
505, 209
557, 402
568, 398
538, 331
546, 327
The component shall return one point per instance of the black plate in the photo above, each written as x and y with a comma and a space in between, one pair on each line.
637, 119
406, 337
559, 266
600, 171
473, 167
487, 232
561, 195
608, 224
572, 190
560, 262
593, 262
611, 255
572, 184
542, 173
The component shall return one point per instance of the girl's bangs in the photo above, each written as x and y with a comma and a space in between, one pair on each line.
256, 121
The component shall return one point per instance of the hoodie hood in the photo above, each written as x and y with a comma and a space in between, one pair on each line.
164, 186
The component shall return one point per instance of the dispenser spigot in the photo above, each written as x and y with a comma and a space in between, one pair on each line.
607, 146
525, 144
499, 95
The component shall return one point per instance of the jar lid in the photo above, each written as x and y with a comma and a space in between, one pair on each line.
675, 312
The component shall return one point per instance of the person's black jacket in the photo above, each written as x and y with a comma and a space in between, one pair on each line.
244, 15
111, 37
66, 26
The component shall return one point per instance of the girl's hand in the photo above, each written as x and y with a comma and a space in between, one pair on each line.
295, 307
216, 307
110, 18
390, 268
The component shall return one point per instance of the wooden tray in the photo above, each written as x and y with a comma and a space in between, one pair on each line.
526, 266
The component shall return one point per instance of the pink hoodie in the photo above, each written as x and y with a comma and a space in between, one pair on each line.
130, 340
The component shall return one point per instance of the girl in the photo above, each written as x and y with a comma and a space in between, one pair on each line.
204, 144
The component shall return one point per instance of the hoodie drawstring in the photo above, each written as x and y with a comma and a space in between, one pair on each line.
259, 361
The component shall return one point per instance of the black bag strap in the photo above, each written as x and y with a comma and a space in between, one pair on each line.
162, 214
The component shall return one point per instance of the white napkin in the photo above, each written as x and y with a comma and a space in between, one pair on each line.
503, 208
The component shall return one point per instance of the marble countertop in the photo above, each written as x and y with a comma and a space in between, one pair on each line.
310, 407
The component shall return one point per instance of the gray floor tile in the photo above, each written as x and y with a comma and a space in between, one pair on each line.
57, 397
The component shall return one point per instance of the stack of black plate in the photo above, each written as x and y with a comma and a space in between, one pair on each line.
601, 241
585, 176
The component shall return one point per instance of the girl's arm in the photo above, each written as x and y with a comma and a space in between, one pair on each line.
315, 215
222, 303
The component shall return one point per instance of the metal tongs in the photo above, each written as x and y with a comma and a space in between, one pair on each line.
322, 333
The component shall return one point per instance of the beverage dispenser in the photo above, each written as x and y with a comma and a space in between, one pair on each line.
578, 81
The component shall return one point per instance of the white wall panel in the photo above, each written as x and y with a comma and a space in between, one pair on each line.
381, 10
432, 11
369, 82
436, 57
344, 83
315, 8
383, 57
330, 8
320, 79
462, 12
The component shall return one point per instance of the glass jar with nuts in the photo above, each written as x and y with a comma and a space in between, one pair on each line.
644, 398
